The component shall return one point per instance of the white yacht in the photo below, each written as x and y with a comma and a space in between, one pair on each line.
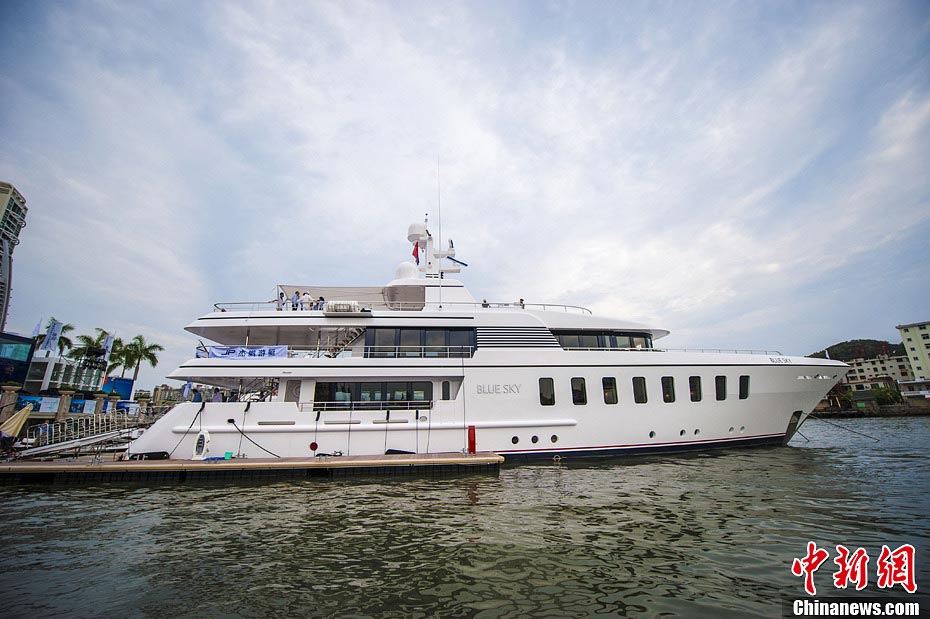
419, 366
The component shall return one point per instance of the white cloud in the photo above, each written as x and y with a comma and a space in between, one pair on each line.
669, 166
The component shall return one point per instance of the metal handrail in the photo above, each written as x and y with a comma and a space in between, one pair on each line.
698, 350
245, 306
365, 405
77, 427
295, 352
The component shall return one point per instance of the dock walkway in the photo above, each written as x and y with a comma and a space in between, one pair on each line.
185, 471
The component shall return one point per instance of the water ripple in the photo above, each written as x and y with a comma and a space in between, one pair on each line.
702, 535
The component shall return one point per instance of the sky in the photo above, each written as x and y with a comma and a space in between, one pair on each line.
750, 175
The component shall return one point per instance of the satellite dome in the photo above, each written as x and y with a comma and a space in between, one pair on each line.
406, 270
415, 232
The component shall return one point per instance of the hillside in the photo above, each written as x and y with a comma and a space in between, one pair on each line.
860, 349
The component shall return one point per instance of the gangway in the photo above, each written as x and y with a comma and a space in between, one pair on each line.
76, 432
86, 441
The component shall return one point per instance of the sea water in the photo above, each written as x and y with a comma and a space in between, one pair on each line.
709, 534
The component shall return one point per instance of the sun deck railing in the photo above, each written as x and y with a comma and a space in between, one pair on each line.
698, 350
271, 306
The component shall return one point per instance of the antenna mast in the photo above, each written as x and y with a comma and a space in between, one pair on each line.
439, 216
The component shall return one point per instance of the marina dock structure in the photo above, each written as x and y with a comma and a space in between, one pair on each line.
248, 469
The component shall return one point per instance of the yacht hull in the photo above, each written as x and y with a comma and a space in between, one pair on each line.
693, 401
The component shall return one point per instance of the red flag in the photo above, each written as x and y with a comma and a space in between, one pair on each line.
416, 252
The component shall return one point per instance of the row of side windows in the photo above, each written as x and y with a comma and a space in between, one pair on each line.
640, 394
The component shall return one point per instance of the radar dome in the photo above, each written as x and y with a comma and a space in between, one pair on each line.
415, 232
406, 270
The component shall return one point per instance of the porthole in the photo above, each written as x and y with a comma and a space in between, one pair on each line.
697, 431
682, 433
731, 429
554, 438
742, 429
535, 439
515, 440
652, 434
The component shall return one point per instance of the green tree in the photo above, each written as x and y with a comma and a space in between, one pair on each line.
137, 351
64, 342
887, 395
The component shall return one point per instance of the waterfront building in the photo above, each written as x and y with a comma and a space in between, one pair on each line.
12, 221
912, 389
166, 394
54, 372
864, 370
916, 339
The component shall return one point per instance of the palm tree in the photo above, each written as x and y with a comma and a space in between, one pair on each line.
88, 345
137, 351
116, 357
64, 342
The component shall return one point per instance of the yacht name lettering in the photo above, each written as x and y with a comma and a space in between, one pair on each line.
779, 359
496, 389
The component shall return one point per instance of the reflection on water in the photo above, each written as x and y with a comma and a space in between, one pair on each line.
709, 534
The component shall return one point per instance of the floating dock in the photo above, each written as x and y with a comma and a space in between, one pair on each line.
248, 469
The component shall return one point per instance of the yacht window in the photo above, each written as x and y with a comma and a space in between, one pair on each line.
610, 389
435, 342
668, 389
409, 343
621, 341
743, 387
588, 341
446, 390
343, 392
579, 393
461, 342
373, 395
384, 342
421, 391
694, 383
397, 392
370, 392
720, 382
602, 339
639, 390
546, 392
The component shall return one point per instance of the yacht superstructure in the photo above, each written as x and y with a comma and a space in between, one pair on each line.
420, 366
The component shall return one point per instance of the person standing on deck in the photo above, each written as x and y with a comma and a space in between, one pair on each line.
295, 301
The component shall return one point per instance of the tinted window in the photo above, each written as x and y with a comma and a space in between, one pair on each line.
546, 392
409, 343
621, 341
397, 392
446, 391
668, 389
435, 342
694, 384
743, 387
610, 389
639, 390
421, 391
588, 341
720, 382
384, 341
460, 343
579, 394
